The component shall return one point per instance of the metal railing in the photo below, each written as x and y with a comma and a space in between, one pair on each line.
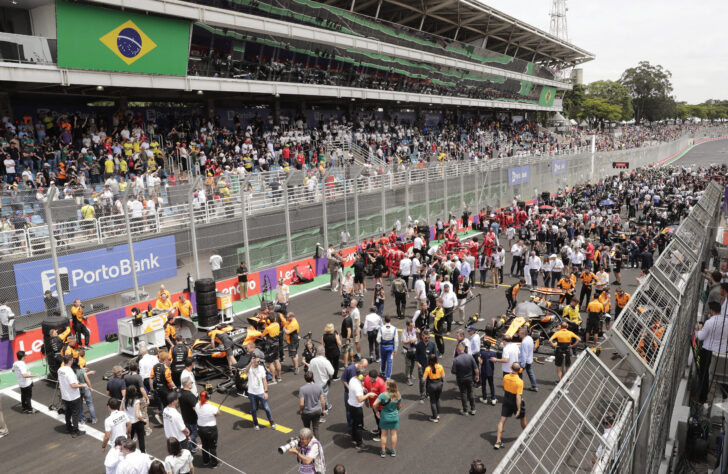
592, 421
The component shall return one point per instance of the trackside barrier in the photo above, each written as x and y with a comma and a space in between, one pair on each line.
592, 422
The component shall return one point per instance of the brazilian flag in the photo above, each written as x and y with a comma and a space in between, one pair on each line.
548, 94
112, 40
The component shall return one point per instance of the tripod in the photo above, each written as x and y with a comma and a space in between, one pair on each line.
56, 402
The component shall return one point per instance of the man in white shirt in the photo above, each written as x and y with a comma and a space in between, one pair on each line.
114, 424
356, 319
174, 425
147, 362
714, 335
215, 264
474, 342
420, 290
322, 373
372, 323
71, 396
449, 305
525, 356
510, 355
415, 270
417, 245
134, 461
188, 375
25, 382
258, 391
114, 456
356, 401
282, 295
405, 269
534, 267
6, 314
516, 253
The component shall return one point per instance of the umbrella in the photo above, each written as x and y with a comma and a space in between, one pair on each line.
607, 202
669, 229
528, 309
545, 207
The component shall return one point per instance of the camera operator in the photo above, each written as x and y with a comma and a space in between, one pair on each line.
309, 453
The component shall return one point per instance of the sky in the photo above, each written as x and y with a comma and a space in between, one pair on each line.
690, 39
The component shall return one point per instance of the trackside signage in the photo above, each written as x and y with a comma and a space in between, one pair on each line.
97, 272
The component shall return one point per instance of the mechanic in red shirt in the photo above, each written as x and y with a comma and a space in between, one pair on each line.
373, 383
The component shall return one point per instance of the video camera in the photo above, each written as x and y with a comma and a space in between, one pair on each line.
293, 443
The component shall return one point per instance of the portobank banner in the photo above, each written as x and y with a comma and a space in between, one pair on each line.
96, 273
519, 175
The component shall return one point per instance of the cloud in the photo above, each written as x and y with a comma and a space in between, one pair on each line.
686, 39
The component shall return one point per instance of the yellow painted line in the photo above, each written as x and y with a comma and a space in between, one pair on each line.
245, 416
444, 337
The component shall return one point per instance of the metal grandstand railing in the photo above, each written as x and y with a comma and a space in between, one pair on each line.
651, 335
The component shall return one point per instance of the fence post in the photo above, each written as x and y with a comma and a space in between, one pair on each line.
427, 194
407, 175
244, 204
324, 210
384, 201
52, 192
445, 210
477, 189
193, 225
461, 172
287, 215
129, 242
355, 182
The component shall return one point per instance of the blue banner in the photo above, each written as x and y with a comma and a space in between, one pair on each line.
514, 176
525, 174
558, 167
96, 273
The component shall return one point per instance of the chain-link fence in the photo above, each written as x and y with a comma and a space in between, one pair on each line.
616, 418
263, 219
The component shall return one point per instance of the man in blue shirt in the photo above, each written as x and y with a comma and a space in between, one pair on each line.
525, 357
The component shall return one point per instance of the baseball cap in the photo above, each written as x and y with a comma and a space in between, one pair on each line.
471, 328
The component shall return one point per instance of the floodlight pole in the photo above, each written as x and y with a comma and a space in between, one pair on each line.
52, 193
129, 242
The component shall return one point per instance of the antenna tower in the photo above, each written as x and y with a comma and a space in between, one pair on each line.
558, 26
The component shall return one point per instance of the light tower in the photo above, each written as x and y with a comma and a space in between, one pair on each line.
558, 20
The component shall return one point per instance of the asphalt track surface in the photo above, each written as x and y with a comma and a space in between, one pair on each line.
38, 443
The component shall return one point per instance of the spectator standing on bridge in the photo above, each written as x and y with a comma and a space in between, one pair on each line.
215, 266
242, 273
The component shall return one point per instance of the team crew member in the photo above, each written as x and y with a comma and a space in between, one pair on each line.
593, 319
183, 307
621, 298
79, 323
565, 341
434, 376
605, 300
220, 337
115, 423
271, 335
587, 279
513, 404
180, 353
567, 285
207, 426
512, 293
449, 305
291, 332
399, 291
438, 325
388, 339
571, 314
163, 303
71, 396
25, 382
170, 333
161, 380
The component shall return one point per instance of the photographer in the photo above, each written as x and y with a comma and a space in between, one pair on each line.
309, 453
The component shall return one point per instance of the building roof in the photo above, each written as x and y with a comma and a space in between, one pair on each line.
472, 22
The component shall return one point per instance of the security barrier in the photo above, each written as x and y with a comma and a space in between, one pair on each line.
607, 417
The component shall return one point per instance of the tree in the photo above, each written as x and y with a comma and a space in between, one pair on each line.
573, 100
651, 90
614, 93
596, 110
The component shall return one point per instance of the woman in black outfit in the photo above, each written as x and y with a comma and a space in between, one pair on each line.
332, 347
